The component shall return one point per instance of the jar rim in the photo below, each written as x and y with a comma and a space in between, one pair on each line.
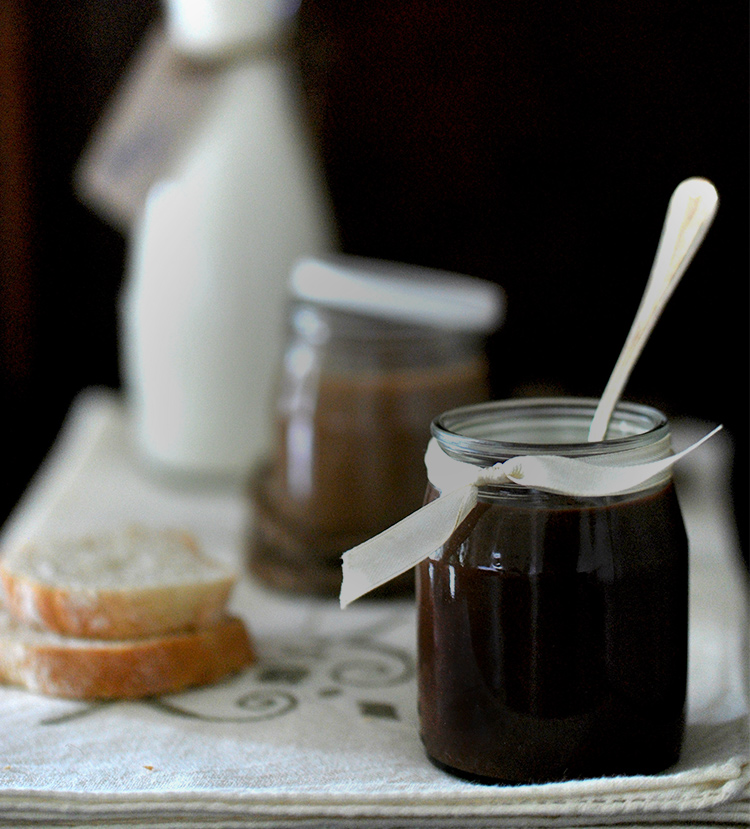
320, 324
478, 432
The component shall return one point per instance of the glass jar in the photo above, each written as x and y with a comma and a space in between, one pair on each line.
552, 630
374, 352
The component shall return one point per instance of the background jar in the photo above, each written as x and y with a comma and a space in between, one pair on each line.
374, 352
553, 630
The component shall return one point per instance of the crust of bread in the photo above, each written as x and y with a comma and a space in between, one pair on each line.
87, 669
111, 612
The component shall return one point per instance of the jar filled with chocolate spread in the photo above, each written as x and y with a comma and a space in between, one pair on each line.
375, 351
552, 629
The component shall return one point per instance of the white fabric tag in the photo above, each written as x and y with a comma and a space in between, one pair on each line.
411, 540
146, 123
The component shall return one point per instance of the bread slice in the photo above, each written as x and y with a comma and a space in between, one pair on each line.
125, 585
90, 669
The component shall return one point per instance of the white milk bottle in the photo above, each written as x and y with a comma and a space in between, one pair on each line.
202, 312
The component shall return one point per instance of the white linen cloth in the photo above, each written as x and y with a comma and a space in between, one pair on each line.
322, 731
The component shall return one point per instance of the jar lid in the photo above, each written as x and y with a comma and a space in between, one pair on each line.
394, 291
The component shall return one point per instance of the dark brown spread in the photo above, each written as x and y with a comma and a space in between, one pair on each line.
553, 640
348, 466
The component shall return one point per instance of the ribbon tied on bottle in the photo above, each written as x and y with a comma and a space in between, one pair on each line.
419, 535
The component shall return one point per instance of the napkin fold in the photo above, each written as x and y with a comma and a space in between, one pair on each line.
322, 731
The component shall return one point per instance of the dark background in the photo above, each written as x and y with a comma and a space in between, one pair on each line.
535, 144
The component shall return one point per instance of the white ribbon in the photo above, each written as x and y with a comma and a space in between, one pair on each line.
413, 539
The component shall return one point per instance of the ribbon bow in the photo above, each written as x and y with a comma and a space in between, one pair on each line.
416, 537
